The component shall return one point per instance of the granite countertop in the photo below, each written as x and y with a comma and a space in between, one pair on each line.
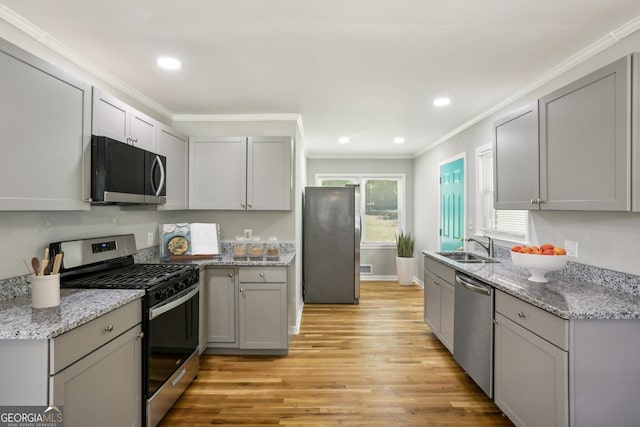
226, 260
566, 297
77, 306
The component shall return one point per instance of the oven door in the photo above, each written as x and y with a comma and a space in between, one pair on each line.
172, 336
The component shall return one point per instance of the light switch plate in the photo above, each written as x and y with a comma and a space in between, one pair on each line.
572, 248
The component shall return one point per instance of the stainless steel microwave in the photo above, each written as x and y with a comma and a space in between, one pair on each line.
124, 174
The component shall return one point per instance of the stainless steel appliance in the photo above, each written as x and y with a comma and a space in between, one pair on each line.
331, 245
170, 311
473, 330
122, 173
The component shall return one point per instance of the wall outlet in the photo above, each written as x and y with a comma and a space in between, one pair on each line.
572, 248
150, 238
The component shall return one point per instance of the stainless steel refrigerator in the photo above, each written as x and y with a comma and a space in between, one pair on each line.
331, 245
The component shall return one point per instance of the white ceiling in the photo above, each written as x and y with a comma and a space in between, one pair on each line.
367, 69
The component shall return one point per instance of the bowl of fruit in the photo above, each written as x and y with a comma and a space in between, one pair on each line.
539, 260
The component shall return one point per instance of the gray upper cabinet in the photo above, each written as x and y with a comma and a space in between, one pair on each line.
515, 151
239, 173
117, 120
218, 173
45, 117
572, 152
585, 138
175, 147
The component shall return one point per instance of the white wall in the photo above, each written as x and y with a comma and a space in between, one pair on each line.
607, 240
382, 260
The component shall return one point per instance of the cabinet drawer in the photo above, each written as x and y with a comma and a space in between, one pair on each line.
73, 345
263, 274
440, 270
546, 325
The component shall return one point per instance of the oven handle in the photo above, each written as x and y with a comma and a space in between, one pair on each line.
155, 312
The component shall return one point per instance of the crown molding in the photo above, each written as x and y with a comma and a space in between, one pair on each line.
603, 43
71, 55
237, 117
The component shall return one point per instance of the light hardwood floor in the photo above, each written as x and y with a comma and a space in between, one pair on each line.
372, 364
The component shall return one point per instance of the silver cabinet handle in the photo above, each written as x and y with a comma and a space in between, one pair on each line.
109, 328
230, 274
140, 335
539, 201
242, 204
521, 314
261, 274
242, 290
249, 204
533, 201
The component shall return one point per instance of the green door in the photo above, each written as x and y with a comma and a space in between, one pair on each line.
452, 205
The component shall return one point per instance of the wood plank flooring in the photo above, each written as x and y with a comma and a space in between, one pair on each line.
372, 364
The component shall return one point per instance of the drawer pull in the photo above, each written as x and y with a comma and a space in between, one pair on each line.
109, 328
521, 314
140, 335
261, 274
242, 290
230, 274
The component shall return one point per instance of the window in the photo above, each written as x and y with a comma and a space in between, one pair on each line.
511, 225
382, 204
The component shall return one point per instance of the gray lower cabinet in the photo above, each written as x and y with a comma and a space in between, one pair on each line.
246, 310
94, 371
45, 116
240, 173
439, 293
221, 302
531, 375
570, 150
175, 147
117, 120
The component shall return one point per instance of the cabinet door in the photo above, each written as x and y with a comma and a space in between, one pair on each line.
269, 180
103, 388
218, 173
515, 151
447, 303
174, 146
220, 284
585, 142
44, 126
432, 303
263, 316
110, 117
531, 377
144, 131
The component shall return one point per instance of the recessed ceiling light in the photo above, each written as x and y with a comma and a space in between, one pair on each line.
343, 140
398, 140
169, 63
441, 102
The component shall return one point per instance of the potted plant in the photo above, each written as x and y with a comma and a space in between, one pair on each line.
404, 261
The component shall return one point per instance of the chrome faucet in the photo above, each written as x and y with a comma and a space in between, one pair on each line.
488, 247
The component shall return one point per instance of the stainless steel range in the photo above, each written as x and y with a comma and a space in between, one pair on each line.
170, 306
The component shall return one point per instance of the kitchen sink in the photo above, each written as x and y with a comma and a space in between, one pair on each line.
466, 258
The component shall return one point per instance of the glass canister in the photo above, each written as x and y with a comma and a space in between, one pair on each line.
240, 250
257, 251
273, 249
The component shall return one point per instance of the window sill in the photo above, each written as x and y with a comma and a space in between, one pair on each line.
386, 246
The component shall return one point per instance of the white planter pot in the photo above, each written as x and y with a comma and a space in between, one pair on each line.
404, 267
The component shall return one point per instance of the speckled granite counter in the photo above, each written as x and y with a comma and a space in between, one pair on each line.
227, 260
569, 296
77, 306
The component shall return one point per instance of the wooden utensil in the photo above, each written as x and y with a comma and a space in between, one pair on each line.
57, 263
43, 266
35, 263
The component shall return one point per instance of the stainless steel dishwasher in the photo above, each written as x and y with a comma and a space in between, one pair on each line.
473, 330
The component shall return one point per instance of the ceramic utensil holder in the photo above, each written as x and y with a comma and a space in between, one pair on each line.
45, 291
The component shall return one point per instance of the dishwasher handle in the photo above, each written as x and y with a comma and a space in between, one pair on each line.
473, 285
